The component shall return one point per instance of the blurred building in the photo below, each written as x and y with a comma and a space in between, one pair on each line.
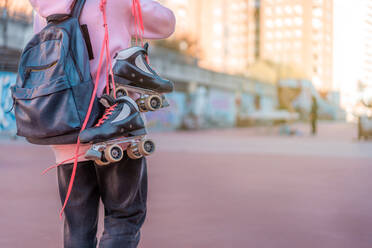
16, 29
225, 31
228, 35
234, 34
299, 33
16, 7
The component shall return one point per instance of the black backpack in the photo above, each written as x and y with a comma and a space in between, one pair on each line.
54, 84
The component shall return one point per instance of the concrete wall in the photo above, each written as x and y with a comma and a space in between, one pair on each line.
16, 35
170, 118
15, 31
205, 98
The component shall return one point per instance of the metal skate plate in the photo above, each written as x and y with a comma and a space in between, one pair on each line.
145, 92
141, 90
94, 152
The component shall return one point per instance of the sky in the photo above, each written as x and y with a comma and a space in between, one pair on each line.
348, 53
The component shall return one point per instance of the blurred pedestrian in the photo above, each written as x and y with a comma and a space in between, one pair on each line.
314, 116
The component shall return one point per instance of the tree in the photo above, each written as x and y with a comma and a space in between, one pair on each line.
270, 72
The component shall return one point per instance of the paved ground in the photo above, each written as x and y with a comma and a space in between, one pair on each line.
231, 188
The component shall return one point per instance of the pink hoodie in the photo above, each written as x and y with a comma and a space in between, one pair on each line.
159, 23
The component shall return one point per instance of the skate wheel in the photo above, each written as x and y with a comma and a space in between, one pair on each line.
113, 153
101, 163
121, 91
100, 159
146, 147
133, 152
153, 102
141, 105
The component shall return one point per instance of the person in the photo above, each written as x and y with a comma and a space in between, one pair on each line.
314, 116
122, 186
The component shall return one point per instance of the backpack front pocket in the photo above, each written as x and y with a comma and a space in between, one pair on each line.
47, 110
33, 72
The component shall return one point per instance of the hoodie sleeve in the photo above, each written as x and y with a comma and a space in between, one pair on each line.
46, 8
159, 21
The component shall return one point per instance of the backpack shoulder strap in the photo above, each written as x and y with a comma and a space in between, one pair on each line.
77, 8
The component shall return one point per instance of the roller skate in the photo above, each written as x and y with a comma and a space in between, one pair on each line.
121, 123
132, 73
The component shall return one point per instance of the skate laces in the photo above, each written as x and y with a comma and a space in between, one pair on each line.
107, 114
138, 21
139, 28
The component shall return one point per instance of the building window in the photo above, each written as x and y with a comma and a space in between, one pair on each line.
269, 24
279, 23
218, 28
268, 11
298, 33
279, 10
298, 21
269, 35
298, 9
318, 12
217, 12
317, 2
288, 9
317, 24
217, 44
288, 22
278, 35
268, 47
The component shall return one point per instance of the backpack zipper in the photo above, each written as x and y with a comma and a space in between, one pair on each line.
38, 68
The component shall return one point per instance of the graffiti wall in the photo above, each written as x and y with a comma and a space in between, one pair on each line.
7, 120
220, 108
169, 118
203, 108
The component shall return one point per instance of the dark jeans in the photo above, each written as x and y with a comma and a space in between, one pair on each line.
123, 189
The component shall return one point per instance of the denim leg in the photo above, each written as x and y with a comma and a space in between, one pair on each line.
123, 188
81, 212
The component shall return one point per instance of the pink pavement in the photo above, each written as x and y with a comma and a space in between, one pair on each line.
201, 197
